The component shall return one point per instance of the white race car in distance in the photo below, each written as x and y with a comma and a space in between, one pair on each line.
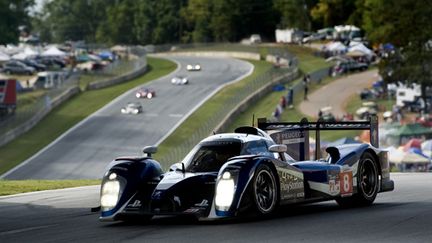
178, 80
193, 67
132, 108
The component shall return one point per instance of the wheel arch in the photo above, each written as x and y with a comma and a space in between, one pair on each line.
246, 191
375, 156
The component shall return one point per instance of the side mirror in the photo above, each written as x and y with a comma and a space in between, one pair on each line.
149, 150
177, 167
278, 148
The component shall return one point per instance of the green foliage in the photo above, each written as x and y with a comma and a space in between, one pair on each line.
294, 14
333, 12
13, 13
407, 26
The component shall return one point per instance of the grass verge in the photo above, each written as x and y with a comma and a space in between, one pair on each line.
9, 187
70, 113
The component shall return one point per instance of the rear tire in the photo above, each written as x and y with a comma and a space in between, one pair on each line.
264, 189
367, 183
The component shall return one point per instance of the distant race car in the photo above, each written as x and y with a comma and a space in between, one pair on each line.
193, 67
228, 175
179, 80
132, 108
145, 93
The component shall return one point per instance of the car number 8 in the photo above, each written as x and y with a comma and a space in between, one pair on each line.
346, 183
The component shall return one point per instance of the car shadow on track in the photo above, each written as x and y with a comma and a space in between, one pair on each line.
284, 212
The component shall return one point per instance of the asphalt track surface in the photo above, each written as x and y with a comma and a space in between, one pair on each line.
86, 149
403, 215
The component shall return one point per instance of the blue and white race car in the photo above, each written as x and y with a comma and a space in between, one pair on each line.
250, 170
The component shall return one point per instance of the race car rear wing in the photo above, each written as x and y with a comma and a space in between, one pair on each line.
296, 134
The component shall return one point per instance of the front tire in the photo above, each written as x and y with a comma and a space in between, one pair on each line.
367, 183
265, 193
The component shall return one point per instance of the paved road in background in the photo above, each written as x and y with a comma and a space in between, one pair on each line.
337, 93
84, 151
403, 215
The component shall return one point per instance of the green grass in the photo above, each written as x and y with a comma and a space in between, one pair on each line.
307, 61
9, 187
27, 99
70, 113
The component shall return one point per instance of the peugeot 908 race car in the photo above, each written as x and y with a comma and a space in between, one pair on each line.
229, 174
145, 93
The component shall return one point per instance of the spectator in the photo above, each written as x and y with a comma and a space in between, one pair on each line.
283, 102
306, 91
305, 79
276, 114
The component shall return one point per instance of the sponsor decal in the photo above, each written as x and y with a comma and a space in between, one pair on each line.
203, 203
291, 186
334, 187
135, 204
177, 200
192, 210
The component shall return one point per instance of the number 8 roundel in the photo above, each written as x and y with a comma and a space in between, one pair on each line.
346, 183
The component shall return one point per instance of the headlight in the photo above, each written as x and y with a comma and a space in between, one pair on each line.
110, 193
225, 189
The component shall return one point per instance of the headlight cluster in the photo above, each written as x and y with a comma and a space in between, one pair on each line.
225, 190
110, 192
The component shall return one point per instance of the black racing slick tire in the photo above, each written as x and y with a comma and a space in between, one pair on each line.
367, 183
264, 190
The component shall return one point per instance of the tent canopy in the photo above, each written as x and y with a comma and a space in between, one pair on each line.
336, 46
427, 145
4, 57
361, 48
53, 51
408, 158
413, 129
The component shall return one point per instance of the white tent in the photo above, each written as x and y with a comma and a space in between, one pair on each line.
53, 51
361, 48
4, 57
341, 28
30, 52
336, 46
19, 56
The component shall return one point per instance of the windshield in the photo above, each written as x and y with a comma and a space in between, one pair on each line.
210, 156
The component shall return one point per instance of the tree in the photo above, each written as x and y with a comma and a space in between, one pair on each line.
333, 12
73, 20
407, 26
197, 17
13, 13
294, 13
